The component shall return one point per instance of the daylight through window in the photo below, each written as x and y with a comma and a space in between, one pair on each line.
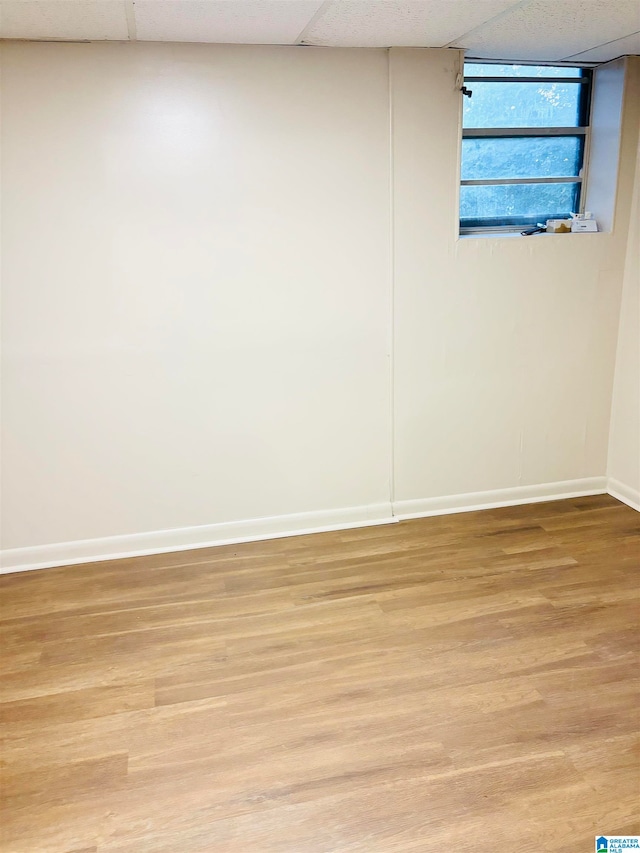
524, 139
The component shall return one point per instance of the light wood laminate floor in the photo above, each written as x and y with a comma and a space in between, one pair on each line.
467, 682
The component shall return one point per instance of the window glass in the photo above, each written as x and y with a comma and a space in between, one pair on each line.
509, 104
488, 205
484, 69
523, 139
523, 157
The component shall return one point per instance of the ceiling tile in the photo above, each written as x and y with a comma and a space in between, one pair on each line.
552, 30
410, 23
224, 21
619, 47
63, 19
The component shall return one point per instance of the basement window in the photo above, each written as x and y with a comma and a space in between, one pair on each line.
525, 136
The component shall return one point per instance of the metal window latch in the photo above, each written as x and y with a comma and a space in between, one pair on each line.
461, 87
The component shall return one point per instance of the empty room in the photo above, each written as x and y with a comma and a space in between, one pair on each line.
320, 426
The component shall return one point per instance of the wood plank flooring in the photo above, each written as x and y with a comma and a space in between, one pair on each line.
467, 682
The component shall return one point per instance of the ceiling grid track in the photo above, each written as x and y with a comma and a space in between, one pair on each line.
321, 11
131, 19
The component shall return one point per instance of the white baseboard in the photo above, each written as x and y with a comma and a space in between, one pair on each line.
514, 496
624, 493
275, 527
188, 538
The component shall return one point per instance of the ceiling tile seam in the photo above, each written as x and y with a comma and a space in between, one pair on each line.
319, 13
455, 42
130, 14
602, 44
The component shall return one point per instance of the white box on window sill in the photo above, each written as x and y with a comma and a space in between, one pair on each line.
579, 225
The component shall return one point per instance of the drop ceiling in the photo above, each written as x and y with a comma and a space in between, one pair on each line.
549, 30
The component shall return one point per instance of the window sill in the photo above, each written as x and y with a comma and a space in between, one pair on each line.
511, 234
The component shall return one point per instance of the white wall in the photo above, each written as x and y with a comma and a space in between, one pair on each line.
196, 261
607, 102
199, 301
504, 347
624, 439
